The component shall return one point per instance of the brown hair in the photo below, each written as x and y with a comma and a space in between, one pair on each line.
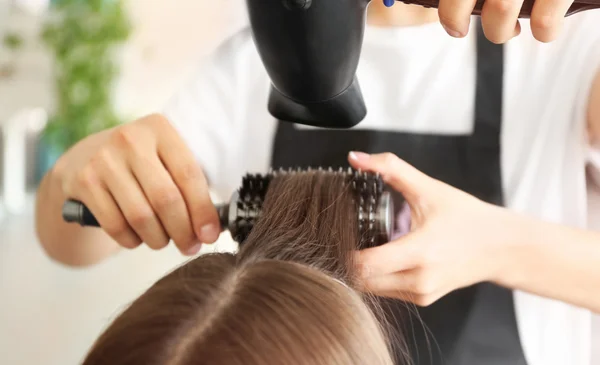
288, 297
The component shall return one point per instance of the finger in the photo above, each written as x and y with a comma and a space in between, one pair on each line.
455, 16
419, 300
394, 294
190, 180
395, 284
396, 256
106, 211
399, 174
133, 204
499, 19
388, 286
407, 286
417, 281
547, 18
166, 201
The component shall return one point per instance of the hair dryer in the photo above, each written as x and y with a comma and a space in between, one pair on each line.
311, 50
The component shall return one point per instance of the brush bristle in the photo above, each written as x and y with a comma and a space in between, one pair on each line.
251, 196
368, 188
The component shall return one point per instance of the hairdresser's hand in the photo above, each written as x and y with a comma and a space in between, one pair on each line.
455, 241
500, 18
142, 184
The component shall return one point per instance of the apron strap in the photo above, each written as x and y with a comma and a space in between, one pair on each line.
489, 85
484, 144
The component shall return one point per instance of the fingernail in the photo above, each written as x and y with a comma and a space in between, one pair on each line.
194, 250
452, 32
359, 156
209, 233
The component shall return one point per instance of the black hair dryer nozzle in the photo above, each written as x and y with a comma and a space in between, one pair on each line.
311, 50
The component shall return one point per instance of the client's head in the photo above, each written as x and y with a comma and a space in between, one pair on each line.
287, 297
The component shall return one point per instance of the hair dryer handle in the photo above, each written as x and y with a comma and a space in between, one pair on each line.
526, 9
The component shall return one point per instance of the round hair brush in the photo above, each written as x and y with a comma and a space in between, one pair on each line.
374, 206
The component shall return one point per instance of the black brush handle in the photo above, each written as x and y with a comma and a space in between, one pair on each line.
74, 211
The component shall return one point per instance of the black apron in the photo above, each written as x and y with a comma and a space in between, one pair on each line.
471, 326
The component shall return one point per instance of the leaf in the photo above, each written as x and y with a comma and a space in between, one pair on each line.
82, 36
13, 41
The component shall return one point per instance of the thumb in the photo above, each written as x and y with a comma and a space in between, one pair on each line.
402, 254
397, 173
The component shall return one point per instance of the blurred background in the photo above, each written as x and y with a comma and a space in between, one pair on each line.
69, 68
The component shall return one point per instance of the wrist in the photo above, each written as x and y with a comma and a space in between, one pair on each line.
518, 244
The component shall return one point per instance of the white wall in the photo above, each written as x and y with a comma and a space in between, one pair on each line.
4, 6
171, 38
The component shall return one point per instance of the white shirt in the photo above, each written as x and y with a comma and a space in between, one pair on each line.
421, 80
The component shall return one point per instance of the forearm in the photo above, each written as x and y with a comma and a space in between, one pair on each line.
555, 261
69, 244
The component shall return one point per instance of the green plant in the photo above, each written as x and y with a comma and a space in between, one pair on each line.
12, 41
83, 37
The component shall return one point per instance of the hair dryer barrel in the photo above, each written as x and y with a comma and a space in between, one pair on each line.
311, 50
